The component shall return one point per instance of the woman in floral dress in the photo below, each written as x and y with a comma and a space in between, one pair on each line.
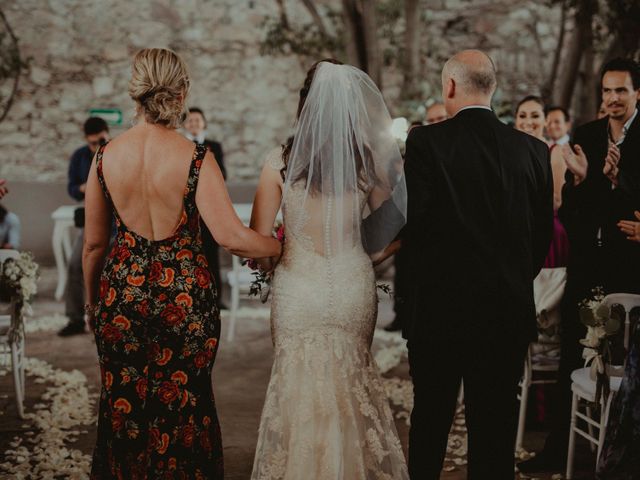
152, 301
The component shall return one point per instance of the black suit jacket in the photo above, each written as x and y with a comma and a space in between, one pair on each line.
480, 217
216, 148
600, 253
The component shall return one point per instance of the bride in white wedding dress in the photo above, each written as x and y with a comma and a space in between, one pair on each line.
326, 415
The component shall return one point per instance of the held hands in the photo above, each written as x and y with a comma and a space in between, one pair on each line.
630, 228
576, 162
611, 169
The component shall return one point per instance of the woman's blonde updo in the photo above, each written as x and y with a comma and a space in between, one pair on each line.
159, 85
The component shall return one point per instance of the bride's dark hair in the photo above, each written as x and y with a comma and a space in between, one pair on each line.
286, 148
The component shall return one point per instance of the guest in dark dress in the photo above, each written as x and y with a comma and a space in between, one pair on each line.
152, 304
620, 456
195, 126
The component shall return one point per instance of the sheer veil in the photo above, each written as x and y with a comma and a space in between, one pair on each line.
345, 165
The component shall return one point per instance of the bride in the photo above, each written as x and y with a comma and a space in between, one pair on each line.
326, 415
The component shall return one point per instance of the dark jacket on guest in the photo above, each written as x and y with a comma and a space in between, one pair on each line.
79, 166
600, 253
216, 148
480, 213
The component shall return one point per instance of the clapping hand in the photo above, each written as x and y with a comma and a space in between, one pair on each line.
576, 162
611, 169
631, 228
3, 189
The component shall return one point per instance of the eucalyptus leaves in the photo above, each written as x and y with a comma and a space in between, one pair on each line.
602, 322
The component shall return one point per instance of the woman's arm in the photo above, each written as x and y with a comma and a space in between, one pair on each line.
266, 205
559, 170
220, 217
97, 230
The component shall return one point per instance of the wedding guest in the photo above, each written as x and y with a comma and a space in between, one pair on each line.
96, 133
3, 188
558, 125
9, 230
602, 188
531, 119
195, 126
151, 302
436, 113
479, 225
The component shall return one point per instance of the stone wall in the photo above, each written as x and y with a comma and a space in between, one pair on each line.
79, 54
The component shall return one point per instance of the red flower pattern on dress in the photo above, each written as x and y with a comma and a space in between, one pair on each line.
157, 333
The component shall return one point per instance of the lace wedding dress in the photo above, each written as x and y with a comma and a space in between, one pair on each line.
326, 414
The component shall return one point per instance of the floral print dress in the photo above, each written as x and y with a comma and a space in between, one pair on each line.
157, 331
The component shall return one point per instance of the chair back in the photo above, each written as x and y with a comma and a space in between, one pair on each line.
6, 254
628, 301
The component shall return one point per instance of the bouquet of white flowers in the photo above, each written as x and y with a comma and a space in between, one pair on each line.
602, 324
19, 278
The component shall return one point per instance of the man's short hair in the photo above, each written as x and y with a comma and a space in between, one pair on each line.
623, 65
565, 112
199, 111
95, 125
479, 80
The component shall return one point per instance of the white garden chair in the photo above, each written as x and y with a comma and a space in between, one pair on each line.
583, 388
543, 356
12, 339
239, 279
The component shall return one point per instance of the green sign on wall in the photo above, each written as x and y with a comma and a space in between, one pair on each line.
113, 116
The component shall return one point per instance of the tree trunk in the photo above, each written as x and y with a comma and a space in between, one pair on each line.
588, 101
582, 33
362, 46
411, 56
370, 30
547, 90
354, 43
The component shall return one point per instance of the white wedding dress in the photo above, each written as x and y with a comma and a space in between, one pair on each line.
326, 415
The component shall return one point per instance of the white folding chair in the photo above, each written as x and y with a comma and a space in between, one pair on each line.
583, 388
12, 339
543, 356
239, 279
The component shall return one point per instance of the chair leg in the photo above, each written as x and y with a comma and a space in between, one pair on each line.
235, 304
17, 378
590, 428
604, 420
522, 417
524, 398
572, 438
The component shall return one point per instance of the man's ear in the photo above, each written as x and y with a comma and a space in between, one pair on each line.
451, 88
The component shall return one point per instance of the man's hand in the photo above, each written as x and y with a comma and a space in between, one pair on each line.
576, 162
611, 169
3, 189
631, 228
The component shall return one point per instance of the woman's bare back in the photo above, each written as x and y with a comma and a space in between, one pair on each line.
146, 170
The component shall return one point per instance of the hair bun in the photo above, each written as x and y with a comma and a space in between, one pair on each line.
159, 84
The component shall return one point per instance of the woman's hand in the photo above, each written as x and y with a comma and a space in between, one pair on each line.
391, 249
630, 228
91, 311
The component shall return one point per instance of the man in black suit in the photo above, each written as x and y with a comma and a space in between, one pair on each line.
480, 214
601, 189
195, 126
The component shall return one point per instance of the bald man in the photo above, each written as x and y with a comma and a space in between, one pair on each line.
479, 226
436, 113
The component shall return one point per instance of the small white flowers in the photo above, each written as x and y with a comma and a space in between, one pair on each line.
19, 277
